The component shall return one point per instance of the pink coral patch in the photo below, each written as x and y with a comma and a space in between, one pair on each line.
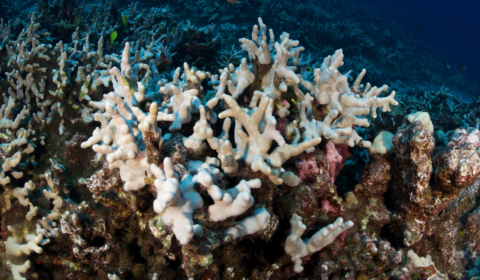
331, 209
334, 160
307, 169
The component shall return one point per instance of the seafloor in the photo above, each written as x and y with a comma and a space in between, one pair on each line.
232, 140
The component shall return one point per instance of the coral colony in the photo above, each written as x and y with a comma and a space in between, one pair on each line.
116, 165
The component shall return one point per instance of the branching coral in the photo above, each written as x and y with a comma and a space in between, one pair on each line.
243, 156
298, 248
176, 200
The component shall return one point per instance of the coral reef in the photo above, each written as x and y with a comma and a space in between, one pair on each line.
277, 165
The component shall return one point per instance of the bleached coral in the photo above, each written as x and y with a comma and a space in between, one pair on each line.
120, 141
382, 143
422, 117
18, 142
28, 49
182, 93
5, 30
113, 277
413, 260
331, 88
250, 225
233, 202
201, 131
21, 194
262, 114
253, 145
17, 270
47, 228
121, 138
279, 75
51, 194
271, 74
22, 242
176, 200
298, 248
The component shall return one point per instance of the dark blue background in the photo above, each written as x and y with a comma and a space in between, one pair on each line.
451, 27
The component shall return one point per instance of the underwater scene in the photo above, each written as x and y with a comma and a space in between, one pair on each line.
238, 139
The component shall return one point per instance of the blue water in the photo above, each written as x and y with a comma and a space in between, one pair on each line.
451, 27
